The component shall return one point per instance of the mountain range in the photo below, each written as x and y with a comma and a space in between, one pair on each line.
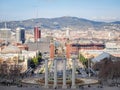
60, 23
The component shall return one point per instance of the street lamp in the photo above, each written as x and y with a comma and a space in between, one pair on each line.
78, 48
88, 65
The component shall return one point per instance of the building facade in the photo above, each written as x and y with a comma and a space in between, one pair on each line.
20, 35
5, 34
37, 34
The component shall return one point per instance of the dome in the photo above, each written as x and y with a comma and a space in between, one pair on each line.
11, 49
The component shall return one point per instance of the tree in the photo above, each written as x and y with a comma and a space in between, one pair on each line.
39, 57
39, 54
36, 60
106, 69
109, 70
83, 60
15, 70
32, 65
33, 62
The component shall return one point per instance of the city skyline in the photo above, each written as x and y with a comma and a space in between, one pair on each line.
100, 10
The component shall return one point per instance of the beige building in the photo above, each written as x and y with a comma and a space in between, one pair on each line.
5, 34
13, 58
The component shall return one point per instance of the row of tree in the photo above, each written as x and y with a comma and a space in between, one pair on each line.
36, 60
108, 69
83, 60
10, 70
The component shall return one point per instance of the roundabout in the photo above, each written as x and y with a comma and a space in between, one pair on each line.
41, 81
59, 82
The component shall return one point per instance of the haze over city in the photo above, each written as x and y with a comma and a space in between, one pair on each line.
100, 10
59, 44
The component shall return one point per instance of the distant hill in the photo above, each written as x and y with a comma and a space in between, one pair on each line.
116, 22
58, 23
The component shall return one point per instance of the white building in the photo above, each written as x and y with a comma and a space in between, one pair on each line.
5, 34
113, 48
15, 56
20, 35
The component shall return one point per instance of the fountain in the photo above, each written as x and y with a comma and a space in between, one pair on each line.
60, 74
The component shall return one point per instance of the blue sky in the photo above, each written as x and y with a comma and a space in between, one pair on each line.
101, 10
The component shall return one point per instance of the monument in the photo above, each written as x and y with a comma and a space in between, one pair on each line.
65, 79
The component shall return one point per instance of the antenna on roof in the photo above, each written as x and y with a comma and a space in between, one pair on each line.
36, 13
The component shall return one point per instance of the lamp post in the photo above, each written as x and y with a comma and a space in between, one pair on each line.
46, 73
88, 65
